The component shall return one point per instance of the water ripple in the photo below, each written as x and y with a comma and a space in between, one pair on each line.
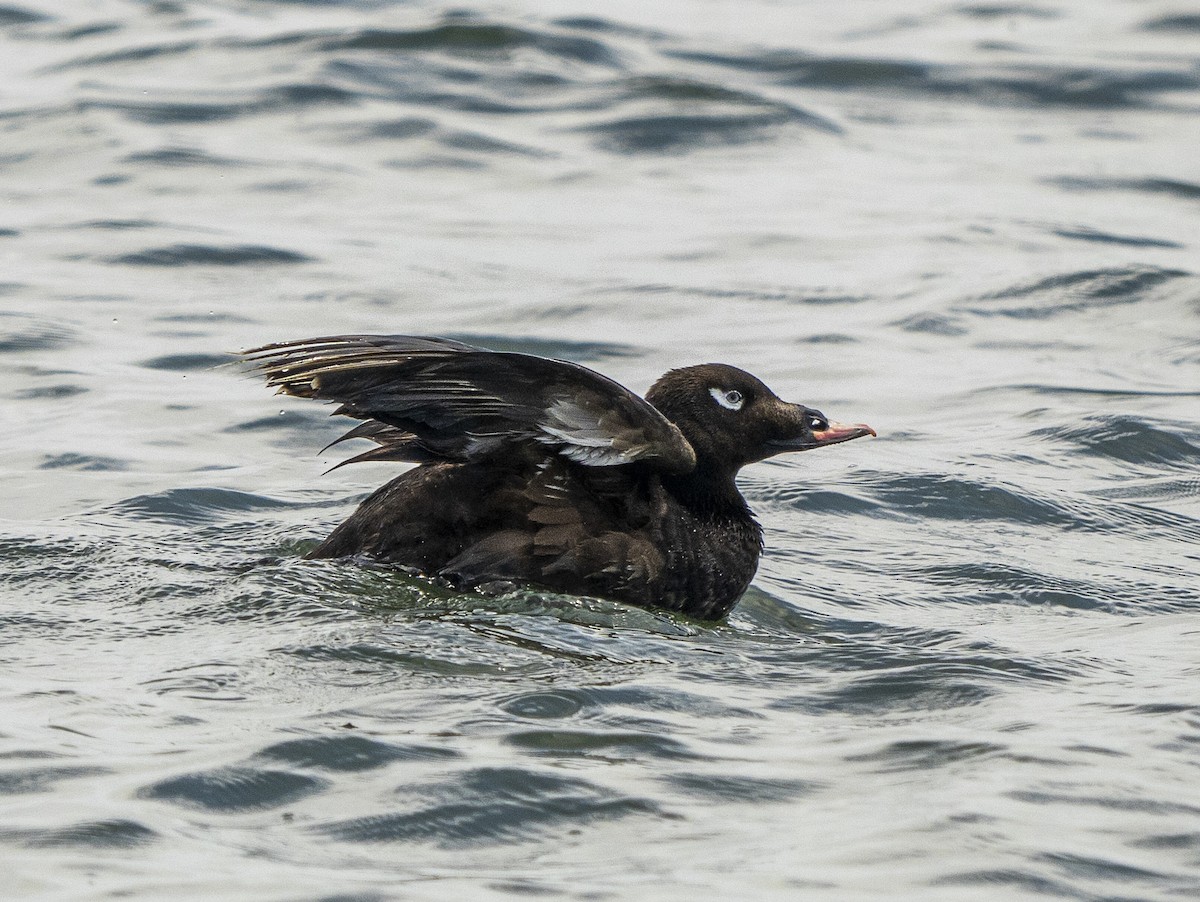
723, 788
43, 778
476, 39
1085, 233
1175, 188
192, 506
210, 255
1077, 291
1132, 440
1077, 87
105, 834
924, 754
349, 753
943, 496
1181, 22
234, 789
607, 746
22, 332
496, 805
663, 133
187, 362
15, 15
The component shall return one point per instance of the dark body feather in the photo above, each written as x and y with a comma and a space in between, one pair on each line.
544, 472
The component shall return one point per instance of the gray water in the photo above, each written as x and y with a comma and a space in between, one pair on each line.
969, 666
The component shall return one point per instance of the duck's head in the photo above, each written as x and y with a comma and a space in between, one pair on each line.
732, 419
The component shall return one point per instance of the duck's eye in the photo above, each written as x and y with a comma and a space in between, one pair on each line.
730, 400
817, 424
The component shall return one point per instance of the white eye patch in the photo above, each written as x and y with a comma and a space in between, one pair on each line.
730, 400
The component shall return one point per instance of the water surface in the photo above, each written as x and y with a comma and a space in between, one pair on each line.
968, 667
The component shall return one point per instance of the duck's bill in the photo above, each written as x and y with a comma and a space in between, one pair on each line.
841, 432
832, 434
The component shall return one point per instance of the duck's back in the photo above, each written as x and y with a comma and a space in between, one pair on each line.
610, 532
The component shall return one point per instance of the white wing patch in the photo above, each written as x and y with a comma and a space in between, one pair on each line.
730, 400
484, 443
580, 437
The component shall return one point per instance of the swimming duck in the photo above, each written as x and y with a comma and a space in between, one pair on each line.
544, 472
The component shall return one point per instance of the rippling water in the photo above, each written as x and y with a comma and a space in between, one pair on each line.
969, 666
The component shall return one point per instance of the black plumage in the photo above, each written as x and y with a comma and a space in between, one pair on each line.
545, 472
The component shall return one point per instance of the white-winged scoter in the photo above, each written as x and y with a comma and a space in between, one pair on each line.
545, 472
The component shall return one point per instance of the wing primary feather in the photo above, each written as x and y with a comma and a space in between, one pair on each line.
429, 398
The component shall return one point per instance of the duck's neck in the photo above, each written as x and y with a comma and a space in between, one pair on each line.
709, 492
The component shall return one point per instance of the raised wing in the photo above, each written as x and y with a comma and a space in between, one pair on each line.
427, 399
